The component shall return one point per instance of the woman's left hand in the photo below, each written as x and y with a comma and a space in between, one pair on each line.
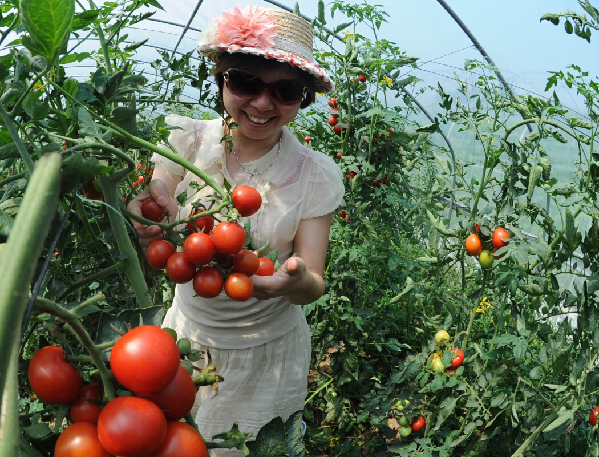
292, 280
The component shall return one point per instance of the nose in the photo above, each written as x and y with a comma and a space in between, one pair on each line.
263, 101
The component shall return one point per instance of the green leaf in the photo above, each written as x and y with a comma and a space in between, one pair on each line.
445, 410
270, 441
87, 126
294, 443
75, 57
134, 46
38, 431
34, 108
564, 415
340, 27
48, 23
6, 223
429, 128
321, 16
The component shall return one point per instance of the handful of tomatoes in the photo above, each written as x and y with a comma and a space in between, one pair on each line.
212, 253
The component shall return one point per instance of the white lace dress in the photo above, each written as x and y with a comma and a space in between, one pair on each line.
260, 347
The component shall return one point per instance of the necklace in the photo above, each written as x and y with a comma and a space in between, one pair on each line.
253, 173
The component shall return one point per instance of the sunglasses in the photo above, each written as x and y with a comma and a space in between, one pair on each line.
246, 85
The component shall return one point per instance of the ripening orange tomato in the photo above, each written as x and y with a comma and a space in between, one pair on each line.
473, 245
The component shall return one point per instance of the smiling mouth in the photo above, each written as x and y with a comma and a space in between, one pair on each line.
258, 120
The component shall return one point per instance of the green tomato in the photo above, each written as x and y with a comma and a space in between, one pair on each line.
442, 337
184, 346
194, 355
405, 431
486, 259
403, 420
333, 394
437, 366
171, 332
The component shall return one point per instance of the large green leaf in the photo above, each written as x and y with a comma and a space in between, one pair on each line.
49, 23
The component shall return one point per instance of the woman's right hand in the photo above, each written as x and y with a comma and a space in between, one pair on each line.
157, 190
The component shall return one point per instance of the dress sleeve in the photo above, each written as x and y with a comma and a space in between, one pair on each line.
182, 139
325, 189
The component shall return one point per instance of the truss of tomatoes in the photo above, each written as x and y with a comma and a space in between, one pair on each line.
212, 253
147, 362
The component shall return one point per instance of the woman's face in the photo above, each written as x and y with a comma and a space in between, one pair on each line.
261, 117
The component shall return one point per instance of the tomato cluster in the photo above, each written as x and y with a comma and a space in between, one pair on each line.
212, 253
442, 339
474, 246
146, 361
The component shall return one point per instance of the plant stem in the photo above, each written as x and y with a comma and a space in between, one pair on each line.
538, 120
9, 409
473, 312
44, 305
10, 126
100, 274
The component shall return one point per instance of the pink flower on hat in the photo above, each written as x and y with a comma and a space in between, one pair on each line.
252, 27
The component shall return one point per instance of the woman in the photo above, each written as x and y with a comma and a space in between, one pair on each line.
265, 72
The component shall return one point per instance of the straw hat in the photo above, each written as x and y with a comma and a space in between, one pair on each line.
270, 33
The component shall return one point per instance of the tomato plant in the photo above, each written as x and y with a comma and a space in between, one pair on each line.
179, 269
228, 237
208, 282
80, 440
159, 251
199, 248
239, 287
145, 359
152, 210
119, 428
52, 378
246, 200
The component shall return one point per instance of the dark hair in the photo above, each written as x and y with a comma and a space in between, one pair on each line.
252, 63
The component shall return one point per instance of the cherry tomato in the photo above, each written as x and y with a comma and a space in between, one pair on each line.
239, 287
458, 359
418, 424
332, 102
208, 282
333, 121
307, 139
485, 259
337, 130
437, 365
158, 254
131, 426
498, 236
246, 200
339, 155
473, 245
179, 269
80, 440
145, 359
177, 398
267, 268
199, 248
451, 370
246, 262
182, 440
228, 237
201, 224
442, 337
83, 410
405, 431
152, 210
362, 78
403, 421
52, 378
593, 416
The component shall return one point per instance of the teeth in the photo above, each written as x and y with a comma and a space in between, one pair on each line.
258, 120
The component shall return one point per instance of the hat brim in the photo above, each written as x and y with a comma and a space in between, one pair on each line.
322, 80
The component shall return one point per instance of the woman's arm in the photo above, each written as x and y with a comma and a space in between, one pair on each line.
300, 278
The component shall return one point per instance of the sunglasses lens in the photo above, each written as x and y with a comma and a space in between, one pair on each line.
243, 84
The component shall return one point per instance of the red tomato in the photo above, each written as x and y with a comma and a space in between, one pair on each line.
339, 155
337, 130
246, 262
333, 102
131, 427
593, 416
362, 78
307, 139
177, 398
182, 440
201, 224
208, 282
52, 378
333, 121
498, 236
229, 237
145, 359
199, 248
473, 245
80, 440
239, 287
246, 200
458, 359
152, 210
83, 410
179, 269
418, 424
158, 254
267, 268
